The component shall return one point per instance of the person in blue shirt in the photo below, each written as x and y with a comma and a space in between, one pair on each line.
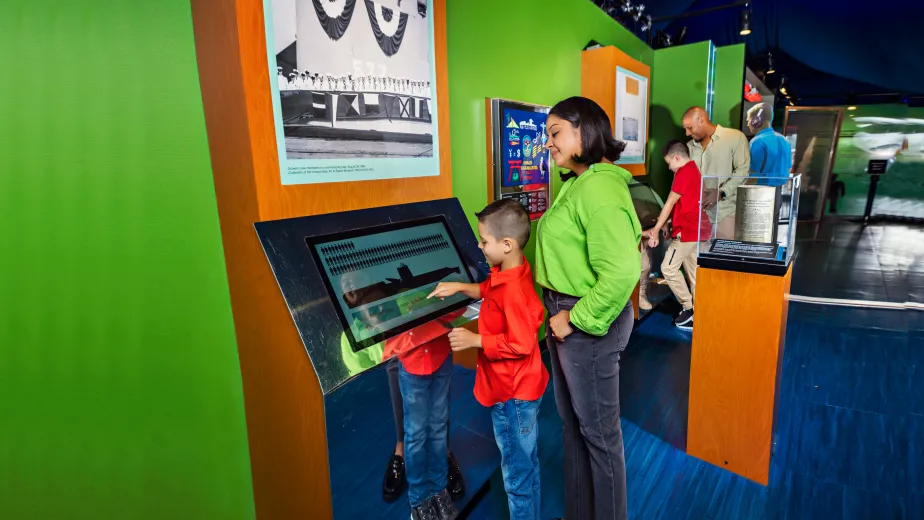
771, 154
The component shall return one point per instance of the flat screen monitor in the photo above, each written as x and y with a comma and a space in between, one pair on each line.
379, 277
647, 204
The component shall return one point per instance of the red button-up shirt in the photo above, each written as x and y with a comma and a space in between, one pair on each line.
509, 363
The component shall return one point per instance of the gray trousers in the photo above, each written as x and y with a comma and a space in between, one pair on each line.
585, 372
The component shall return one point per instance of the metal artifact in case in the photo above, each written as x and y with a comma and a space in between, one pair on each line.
751, 223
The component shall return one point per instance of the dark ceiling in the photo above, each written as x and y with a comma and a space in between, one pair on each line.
830, 52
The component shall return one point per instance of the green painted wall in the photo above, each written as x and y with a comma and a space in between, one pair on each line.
729, 86
679, 81
120, 381
490, 57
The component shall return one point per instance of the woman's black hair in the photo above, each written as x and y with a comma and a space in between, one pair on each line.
597, 142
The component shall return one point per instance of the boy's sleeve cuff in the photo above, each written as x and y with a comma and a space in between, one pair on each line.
489, 346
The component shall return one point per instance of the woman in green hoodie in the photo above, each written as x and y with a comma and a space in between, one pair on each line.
588, 264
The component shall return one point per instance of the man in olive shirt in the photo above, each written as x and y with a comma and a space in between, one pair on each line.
718, 151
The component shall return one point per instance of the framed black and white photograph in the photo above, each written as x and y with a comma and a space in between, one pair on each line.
354, 87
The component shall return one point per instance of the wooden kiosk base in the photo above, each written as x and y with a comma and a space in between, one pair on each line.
734, 371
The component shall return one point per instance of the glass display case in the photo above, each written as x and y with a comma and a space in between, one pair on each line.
751, 223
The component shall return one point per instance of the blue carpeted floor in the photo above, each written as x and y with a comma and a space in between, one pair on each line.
850, 435
850, 438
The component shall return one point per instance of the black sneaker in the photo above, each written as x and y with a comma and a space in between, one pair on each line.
395, 479
443, 505
425, 511
454, 481
684, 320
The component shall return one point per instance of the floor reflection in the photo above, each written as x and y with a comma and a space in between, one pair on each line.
881, 262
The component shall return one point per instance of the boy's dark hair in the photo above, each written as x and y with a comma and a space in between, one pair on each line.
506, 218
676, 147
597, 141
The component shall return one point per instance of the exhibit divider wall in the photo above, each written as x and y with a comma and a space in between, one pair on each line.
283, 399
730, 72
680, 78
698, 74
813, 133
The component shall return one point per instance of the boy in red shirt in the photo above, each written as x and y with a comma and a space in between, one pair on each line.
689, 226
510, 377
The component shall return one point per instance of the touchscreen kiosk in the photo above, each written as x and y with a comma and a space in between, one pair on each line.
356, 284
356, 279
380, 277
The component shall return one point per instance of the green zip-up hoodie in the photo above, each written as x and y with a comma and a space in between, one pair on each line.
587, 246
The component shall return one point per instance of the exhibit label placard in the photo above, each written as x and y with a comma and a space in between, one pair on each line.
745, 249
353, 87
877, 166
631, 120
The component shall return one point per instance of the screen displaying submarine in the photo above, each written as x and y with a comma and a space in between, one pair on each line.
380, 277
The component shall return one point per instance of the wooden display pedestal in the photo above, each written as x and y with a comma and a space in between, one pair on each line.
734, 371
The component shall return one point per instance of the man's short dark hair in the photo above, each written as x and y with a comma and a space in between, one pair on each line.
506, 218
676, 147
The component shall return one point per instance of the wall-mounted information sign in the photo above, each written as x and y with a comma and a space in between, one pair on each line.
521, 163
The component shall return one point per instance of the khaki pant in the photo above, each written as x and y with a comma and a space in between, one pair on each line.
646, 270
680, 254
726, 228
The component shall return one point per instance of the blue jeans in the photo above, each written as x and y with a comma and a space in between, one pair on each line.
426, 410
517, 435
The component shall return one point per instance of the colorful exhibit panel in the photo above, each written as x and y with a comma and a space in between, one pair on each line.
521, 163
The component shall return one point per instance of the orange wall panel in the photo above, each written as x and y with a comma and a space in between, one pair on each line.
598, 82
283, 399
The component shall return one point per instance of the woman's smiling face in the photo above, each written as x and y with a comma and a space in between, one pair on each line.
564, 141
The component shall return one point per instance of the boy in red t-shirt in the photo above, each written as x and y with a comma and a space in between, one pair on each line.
510, 377
689, 226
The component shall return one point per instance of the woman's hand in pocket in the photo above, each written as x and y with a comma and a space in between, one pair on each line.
561, 325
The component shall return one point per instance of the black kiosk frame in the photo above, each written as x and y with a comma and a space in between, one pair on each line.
309, 293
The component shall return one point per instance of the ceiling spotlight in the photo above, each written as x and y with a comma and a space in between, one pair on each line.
851, 107
770, 68
646, 26
783, 86
627, 7
745, 23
